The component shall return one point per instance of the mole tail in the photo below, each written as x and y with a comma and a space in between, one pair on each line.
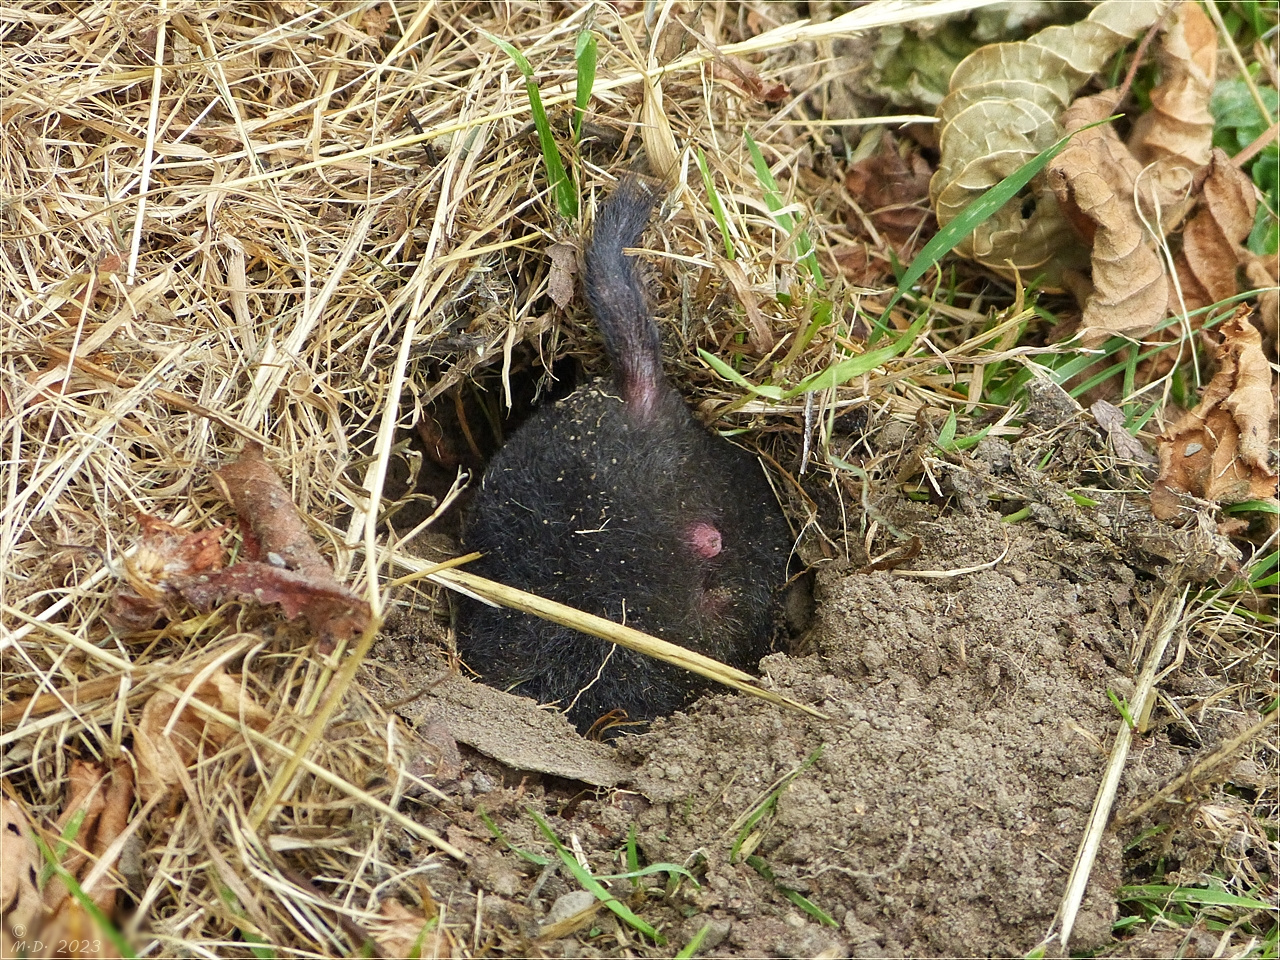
617, 299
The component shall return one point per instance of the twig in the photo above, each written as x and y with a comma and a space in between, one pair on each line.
1160, 625
1225, 752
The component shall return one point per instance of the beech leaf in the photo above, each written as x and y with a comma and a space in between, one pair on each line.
1003, 109
1219, 450
1093, 180
1212, 240
1177, 132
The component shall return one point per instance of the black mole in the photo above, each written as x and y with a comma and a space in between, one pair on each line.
618, 502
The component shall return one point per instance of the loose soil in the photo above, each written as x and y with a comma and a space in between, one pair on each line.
937, 812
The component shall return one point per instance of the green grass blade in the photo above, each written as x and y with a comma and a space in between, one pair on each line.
805, 253
588, 882
717, 206
102, 921
259, 946
1194, 895
562, 187
733, 376
584, 52
65, 839
795, 896
1122, 708
671, 869
846, 370
692, 946
535, 859
769, 802
974, 214
633, 855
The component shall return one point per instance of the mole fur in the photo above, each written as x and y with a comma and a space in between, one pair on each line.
618, 502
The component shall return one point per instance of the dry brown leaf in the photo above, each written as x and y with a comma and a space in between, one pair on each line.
1220, 450
1212, 240
86, 797
1093, 180
744, 77
1125, 445
270, 523
401, 932
173, 564
1177, 132
72, 931
376, 20
166, 746
1262, 273
274, 531
892, 197
1002, 110
564, 264
331, 610
22, 909
164, 553
111, 823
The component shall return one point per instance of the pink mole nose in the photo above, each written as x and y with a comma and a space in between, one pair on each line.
704, 540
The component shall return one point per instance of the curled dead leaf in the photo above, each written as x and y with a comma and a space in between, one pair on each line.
1093, 180
401, 933
164, 552
744, 77
295, 575
890, 194
1003, 108
99, 798
166, 745
1220, 451
1176, 133
1212, 240
22, 909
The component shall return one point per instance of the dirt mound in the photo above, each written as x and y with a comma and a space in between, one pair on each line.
969, 724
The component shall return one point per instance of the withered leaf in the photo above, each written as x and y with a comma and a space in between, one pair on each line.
22, 909
564, 264
1002, 110
1212, 239
1177, 132
104, 796
331, 610
295, 575
1126, 446
1220, 450
1093, 179
400, 932
743, 76
891, 193
166, 746
165, 552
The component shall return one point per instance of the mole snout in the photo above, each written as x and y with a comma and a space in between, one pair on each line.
704, 540
618, 502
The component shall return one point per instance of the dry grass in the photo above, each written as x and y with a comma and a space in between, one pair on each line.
254, 241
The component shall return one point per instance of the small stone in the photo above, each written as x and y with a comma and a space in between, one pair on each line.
570, 904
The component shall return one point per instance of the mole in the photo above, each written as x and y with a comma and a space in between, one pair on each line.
617, 501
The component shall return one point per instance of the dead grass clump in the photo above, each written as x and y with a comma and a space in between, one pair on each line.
304, 225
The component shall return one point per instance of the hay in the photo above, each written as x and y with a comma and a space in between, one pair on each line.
304, 228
